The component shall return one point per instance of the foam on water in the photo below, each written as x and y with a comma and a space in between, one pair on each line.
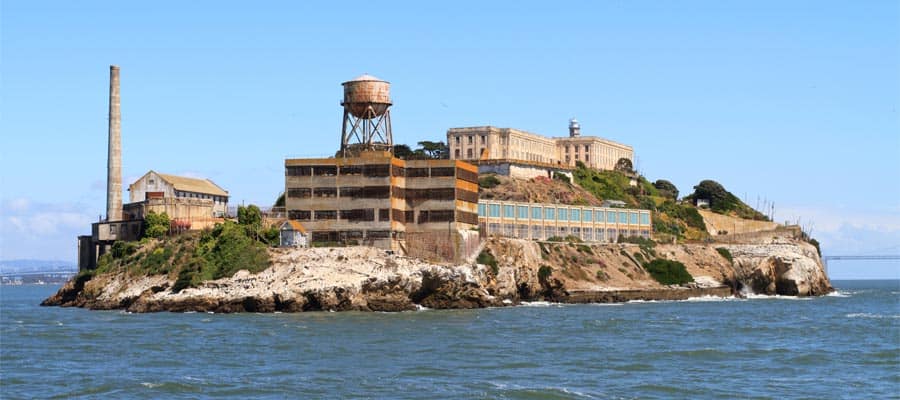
870, 315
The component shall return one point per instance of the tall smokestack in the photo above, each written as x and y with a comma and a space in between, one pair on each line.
114, 156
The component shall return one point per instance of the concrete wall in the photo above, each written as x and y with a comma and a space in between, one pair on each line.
520, 170
199, 212
716, 223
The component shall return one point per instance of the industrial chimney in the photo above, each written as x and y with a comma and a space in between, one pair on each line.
114, 155
574, 128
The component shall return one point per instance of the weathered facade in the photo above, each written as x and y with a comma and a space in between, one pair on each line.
377, 199
190, 203
539, 221
492, 143
154, 185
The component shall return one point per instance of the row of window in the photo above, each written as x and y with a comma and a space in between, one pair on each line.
545, 232
562, 214
371, 170
384, 214
192, 195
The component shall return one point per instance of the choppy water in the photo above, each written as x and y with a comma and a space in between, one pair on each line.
840, 346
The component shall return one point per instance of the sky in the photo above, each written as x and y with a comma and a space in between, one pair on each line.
790, 102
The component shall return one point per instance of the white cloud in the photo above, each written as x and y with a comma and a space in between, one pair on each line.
30, 229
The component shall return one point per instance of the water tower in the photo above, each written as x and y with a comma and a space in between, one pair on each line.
367, 115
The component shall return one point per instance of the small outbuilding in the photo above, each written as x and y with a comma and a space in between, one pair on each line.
293, 234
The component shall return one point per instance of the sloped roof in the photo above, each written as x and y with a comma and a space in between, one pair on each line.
195, 185
295, 225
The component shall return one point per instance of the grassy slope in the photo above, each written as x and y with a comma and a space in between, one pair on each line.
191, 257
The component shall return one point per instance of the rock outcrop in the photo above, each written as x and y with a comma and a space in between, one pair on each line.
368, 279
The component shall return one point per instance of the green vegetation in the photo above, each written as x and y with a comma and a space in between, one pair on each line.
668, 272
122, 249
639, 257
279, 202
561, 177
427, 150
624, 165
646, 245
156, 225
815, 243
723, 202
605, 185
194, 257
666, 189
488, 182
725, 253
584, 249
544, 272
486, 258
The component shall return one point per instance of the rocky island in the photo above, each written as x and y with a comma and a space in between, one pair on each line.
369, 279
393, 229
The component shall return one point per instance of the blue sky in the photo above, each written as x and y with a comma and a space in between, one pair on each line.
794, 102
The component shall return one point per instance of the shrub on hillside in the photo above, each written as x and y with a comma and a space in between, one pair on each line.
666, 189
156, 225
486, 258
725, 253
488, 182
668, 272
544, 272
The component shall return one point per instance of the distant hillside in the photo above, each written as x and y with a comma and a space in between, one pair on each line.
31, 265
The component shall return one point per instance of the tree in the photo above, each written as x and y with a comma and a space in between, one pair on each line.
666, 188
402, 151
720, 200
435, 150
279, 202
624, 165
249, 216
156, 225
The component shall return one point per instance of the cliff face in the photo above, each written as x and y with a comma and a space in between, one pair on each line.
368, 279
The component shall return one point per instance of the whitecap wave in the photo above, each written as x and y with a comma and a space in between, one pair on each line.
538, 304
870, 315
754, 296
709, 298
420, 307
151, 385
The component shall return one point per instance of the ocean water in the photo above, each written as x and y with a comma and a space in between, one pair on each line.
845, 345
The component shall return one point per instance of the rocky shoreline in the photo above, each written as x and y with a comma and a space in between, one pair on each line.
368, 279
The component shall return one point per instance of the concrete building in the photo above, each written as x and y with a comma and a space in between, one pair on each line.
180, 197
380, 200
537, 221
482, 143
293, 234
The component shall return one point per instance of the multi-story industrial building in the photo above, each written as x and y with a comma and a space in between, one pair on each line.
366, 195
490, 143
378, 199
537, 221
